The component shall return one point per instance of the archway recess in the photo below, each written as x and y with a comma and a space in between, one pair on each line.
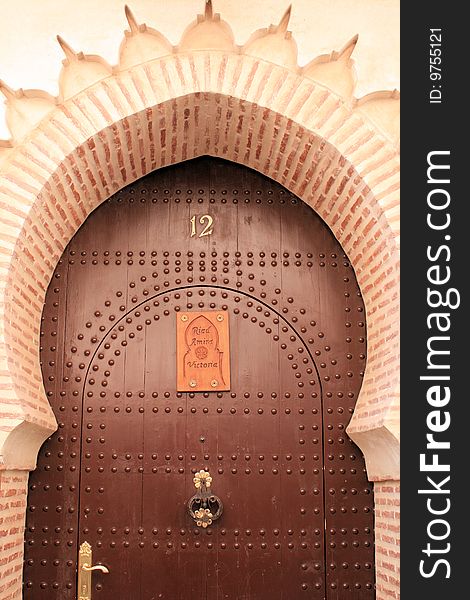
162, 105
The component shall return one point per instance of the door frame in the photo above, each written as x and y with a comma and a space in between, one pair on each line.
291, 129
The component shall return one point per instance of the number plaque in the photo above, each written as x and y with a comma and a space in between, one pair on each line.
203, 351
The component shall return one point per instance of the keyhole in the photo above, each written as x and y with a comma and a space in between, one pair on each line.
202, 439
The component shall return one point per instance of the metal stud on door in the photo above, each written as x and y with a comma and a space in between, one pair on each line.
208, 237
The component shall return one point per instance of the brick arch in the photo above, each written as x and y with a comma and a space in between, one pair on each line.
236, 107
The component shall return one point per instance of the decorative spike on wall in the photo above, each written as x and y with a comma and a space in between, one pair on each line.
142, 44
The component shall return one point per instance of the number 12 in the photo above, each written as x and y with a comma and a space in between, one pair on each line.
208, 229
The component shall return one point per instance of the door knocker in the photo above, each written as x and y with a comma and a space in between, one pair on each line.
204, 507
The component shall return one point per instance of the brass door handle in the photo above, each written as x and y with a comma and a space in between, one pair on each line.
85, 570
101, 568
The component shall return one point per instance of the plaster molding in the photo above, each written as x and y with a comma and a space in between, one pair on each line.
79, 71
208, 32
143, 44
140, 44
25, 109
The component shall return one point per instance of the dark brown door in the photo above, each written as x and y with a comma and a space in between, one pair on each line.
118, 473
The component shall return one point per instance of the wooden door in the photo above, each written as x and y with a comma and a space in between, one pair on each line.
298, 509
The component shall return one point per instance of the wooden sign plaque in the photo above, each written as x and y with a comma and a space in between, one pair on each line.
203, 351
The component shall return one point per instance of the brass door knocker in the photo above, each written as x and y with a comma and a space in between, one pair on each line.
204, 507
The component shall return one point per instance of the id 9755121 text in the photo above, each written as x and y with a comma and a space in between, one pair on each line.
435, 65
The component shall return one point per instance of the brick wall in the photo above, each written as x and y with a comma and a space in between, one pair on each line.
13, 490
387, 539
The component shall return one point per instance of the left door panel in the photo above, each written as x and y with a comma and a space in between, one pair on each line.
53, 499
